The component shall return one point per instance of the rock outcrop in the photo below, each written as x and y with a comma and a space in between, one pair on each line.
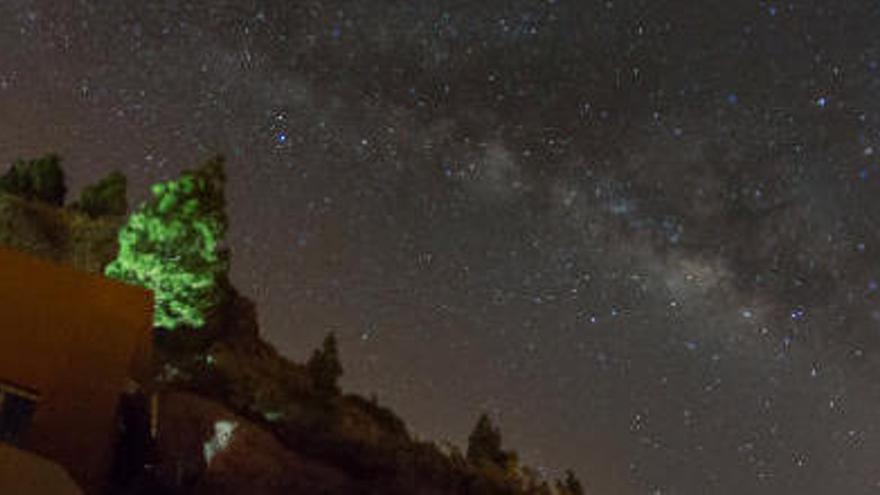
204, 448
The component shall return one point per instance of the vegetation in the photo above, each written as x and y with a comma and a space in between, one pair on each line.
171, 245
324, 368
570, 485
484, 452
106, 197
41, 179
484, 445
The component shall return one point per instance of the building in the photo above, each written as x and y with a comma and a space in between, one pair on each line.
71, 344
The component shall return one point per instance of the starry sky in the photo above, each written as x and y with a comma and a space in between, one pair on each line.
642, 234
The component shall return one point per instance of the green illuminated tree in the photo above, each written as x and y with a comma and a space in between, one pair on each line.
171, 245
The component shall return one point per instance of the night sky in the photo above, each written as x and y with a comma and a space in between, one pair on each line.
642, 234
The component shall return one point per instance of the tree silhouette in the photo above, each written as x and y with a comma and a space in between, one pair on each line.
570, 485
41, 179
484, 446
106, 197
171, 245
324, 367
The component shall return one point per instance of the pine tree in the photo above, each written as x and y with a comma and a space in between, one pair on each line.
484, 446
570, 485
171, 245
324, 367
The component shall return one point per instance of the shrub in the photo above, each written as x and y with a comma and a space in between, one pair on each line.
39, 179
106, 197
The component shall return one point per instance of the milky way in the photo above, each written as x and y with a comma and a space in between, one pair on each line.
641, 234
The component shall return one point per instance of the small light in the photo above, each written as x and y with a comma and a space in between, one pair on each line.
821, 102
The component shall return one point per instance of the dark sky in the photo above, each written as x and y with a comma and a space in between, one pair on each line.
643, 234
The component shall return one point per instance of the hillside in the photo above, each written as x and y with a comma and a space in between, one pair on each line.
226, 390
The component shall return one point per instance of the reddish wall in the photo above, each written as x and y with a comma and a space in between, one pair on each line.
75, 338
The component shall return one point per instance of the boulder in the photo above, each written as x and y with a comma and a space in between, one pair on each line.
203, 447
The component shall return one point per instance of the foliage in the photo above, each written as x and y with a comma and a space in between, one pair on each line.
171, 245
533, 483
570, 485
40, 179
368, 442
324, 367
484, 446
106, 197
